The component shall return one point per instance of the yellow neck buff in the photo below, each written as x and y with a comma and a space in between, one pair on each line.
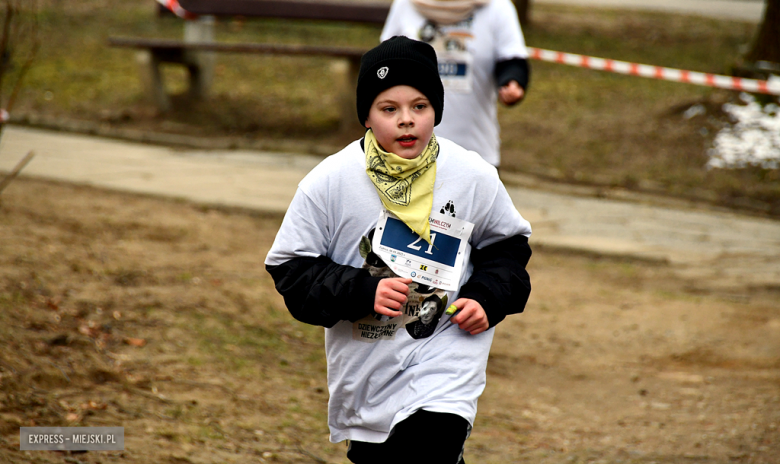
405, 186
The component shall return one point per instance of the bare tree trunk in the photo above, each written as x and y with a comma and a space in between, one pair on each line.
766, 46
524, 12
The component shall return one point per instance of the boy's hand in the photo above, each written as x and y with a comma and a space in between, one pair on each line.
471, 318
391, 294
511, 93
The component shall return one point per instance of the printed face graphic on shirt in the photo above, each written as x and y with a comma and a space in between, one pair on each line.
421, 313
455, 59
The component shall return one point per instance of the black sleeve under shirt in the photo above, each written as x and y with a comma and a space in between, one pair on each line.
515, 69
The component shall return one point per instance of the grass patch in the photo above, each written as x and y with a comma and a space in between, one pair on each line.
576, 125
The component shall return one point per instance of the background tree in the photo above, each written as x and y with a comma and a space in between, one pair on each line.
766, 45
524, 12
19, 43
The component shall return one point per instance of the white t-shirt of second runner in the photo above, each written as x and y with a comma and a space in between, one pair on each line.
467, 53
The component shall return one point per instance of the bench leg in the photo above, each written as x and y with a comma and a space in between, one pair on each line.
346, 74
200, 64
198, 82
151, 79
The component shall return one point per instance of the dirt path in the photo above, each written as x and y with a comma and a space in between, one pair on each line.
157, 316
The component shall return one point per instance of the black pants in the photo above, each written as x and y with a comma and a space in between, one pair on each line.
422, 438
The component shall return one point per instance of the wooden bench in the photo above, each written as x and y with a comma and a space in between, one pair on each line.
196, 51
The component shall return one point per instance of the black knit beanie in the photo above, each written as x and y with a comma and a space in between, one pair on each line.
399, 61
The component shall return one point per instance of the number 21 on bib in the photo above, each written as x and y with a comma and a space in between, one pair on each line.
440, 263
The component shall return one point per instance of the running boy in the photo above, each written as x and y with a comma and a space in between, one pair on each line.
377, 240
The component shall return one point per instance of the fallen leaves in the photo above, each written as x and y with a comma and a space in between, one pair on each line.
93, 405
137, 342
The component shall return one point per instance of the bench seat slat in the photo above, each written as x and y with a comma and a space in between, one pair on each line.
162, 45
353, 11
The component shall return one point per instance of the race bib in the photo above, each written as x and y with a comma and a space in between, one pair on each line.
455, 70
439, 264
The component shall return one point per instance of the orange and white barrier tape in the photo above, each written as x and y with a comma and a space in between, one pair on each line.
771, 87
174, 6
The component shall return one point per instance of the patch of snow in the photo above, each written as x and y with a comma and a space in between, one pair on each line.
753, 140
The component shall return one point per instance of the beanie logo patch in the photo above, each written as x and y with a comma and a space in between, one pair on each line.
382, 72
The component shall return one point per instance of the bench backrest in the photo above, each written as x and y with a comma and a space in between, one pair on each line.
354, 11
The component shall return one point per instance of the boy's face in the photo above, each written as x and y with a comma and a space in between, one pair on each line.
402, 119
